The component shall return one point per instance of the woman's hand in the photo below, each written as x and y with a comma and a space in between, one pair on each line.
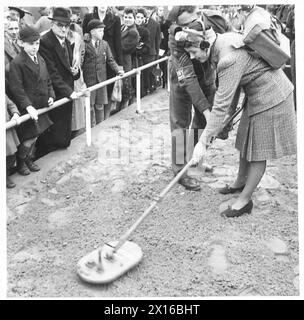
201, 147
198, 153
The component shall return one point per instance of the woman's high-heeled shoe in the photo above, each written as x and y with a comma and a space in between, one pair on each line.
231, 213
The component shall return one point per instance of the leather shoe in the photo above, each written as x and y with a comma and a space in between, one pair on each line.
231, 213
227, 189
22, 168
190, 183
31, 165
9, 183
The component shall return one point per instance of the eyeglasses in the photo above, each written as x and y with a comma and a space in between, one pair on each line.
61, 25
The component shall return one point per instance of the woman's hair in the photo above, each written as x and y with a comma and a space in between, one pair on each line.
129, 10
142, 11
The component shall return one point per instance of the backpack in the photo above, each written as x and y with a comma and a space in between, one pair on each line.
263, 39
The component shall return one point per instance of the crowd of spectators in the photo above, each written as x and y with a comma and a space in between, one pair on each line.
51, 53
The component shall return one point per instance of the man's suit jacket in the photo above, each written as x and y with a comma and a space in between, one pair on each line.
11, 50
154, 29
58, 67
62, 78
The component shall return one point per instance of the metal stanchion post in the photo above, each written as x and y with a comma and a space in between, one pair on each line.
138, 107
88, 121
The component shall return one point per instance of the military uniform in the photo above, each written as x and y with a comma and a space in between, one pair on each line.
191, 83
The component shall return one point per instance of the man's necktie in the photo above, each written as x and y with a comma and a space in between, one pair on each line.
15, 46
96, 44
66, 53
35, 60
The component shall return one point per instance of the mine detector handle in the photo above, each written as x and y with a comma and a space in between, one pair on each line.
157, 199
125, 237
227, 121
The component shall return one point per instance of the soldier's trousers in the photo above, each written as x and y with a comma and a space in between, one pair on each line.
184, 137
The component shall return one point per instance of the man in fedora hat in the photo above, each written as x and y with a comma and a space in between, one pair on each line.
16, 12
58, 54
23, 16
11, 47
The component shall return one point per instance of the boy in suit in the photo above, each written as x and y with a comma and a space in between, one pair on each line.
31, 87
97, 56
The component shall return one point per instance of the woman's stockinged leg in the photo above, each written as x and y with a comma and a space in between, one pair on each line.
256, 170
242, 173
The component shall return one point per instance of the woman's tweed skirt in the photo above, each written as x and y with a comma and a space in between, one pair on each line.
270, 134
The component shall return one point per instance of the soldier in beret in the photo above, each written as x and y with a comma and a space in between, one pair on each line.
191, 84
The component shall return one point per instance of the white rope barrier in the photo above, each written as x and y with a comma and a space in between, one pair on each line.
85, 93
26, 117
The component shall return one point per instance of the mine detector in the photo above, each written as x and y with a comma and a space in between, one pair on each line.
113, 259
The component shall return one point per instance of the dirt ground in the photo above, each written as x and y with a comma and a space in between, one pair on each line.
189, 250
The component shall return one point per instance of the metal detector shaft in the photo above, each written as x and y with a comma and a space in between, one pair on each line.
125, 237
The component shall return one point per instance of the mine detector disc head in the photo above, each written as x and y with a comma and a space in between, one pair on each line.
97, 268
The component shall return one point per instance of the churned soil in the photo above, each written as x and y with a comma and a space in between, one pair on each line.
189, 250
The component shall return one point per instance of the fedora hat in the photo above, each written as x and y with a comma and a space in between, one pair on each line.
61, 14
19, 10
